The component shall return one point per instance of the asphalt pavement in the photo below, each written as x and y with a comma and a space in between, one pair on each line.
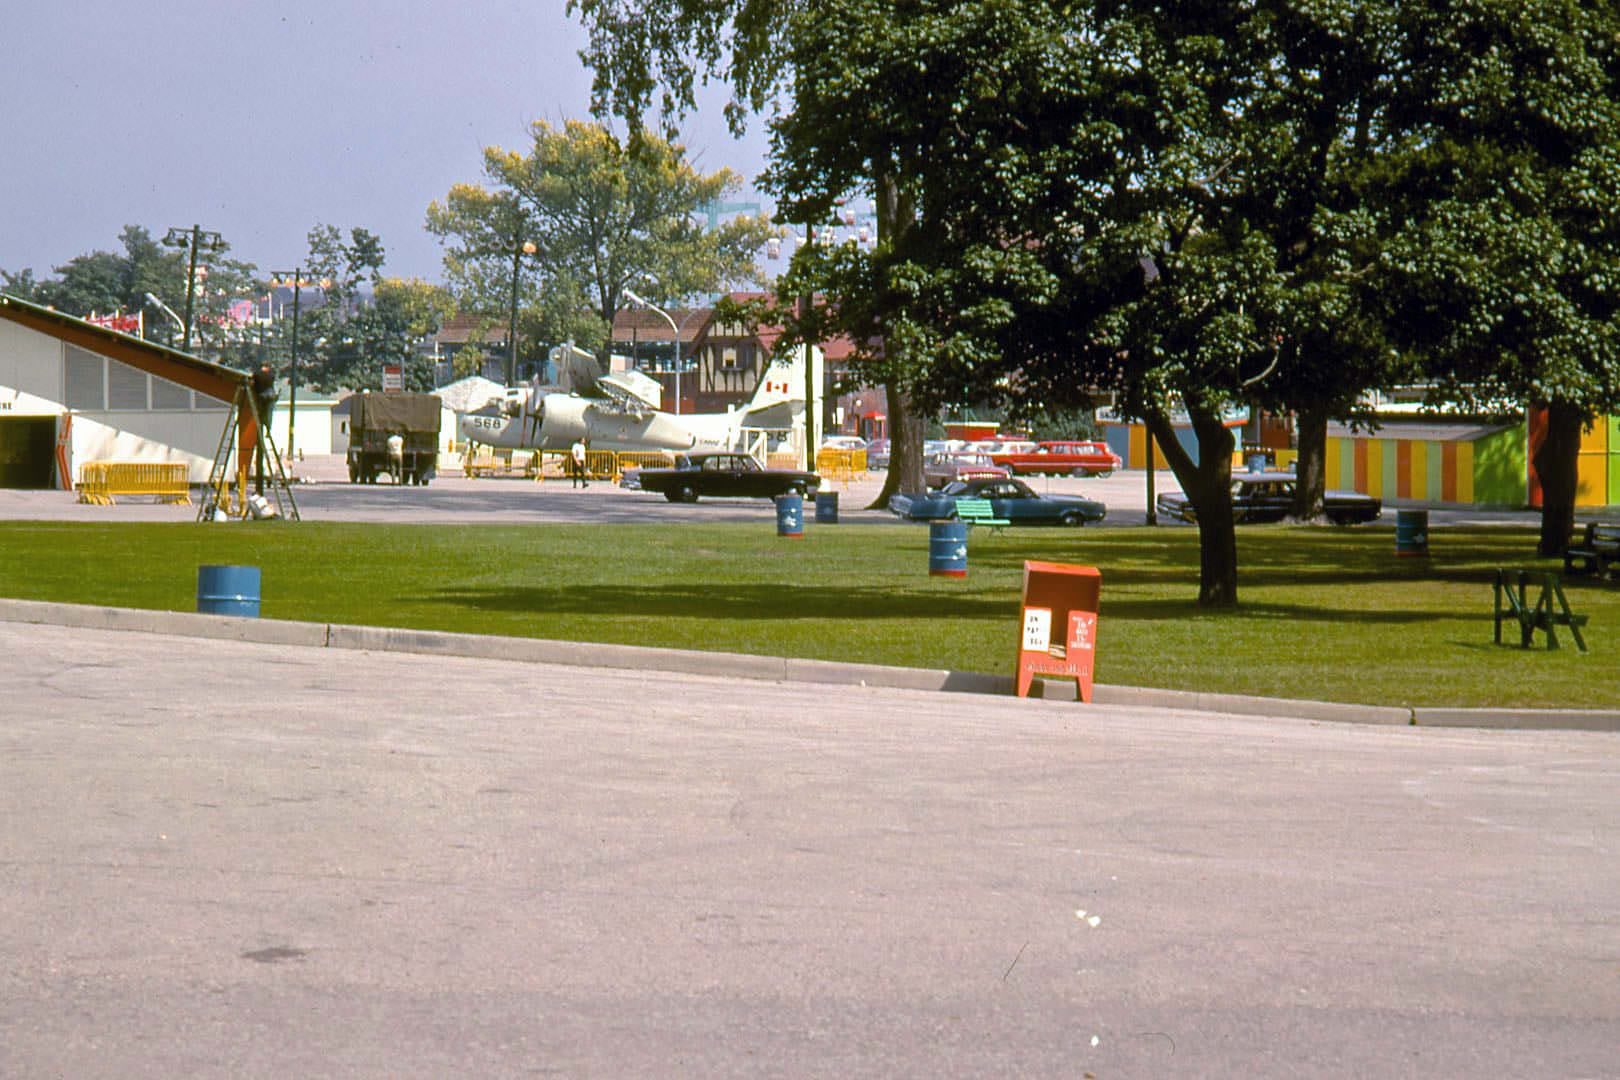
242, 859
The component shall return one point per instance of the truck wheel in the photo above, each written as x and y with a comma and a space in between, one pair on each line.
354, 473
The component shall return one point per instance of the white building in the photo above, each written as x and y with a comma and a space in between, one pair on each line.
72, 392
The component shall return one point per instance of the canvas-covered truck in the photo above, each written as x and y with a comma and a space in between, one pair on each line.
374, 419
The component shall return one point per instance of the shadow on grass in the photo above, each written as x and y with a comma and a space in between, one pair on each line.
744, 602
733, 601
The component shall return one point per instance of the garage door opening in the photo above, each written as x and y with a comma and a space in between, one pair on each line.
27, 446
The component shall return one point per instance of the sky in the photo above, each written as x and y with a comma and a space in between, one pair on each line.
259, 121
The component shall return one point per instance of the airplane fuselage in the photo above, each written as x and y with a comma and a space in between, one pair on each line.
562, 419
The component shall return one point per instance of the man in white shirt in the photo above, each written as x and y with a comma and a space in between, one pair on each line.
577, 452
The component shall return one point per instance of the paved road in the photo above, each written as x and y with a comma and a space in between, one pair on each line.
223, 859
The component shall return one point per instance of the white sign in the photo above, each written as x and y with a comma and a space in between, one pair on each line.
393, 377
1037, 629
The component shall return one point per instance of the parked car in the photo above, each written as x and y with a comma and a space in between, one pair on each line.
942, 469
1269, 496
1069, 458
843, 442
721, 474
877, 454
1012, 500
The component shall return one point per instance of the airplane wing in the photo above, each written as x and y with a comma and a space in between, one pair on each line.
777, 417
633, 392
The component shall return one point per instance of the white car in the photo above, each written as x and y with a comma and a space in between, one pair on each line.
843, 442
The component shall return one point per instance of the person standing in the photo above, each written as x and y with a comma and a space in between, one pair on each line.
577, 453
396, 457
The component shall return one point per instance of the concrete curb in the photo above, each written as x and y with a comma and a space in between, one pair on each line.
768, 668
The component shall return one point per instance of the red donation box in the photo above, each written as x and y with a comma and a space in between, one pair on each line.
1058, 624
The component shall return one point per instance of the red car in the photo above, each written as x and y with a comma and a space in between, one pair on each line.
1062, 459
942, 469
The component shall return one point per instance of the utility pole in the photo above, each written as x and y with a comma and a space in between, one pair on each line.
193, 238
298, 278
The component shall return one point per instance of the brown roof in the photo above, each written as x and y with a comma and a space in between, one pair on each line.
650, 326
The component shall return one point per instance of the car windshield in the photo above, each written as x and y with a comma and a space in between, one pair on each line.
955, 487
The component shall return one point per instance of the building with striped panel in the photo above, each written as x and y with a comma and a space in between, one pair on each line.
1467, 464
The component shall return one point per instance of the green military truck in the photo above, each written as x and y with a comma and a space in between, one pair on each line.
375, 418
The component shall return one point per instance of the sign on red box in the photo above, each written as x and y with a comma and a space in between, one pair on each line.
1057, 594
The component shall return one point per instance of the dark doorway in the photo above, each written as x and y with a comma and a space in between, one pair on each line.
27, 447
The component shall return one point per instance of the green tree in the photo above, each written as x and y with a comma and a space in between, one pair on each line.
1508, 270
601, 217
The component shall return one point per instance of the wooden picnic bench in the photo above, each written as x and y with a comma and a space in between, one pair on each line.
979, 512
1512, 586
1599, 551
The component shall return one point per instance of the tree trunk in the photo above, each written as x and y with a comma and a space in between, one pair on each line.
896, 212
1209, 485
1310, 474
906, 431
1556, 462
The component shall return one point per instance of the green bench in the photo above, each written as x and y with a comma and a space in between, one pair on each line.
1512, 586
1598, 552
979, 512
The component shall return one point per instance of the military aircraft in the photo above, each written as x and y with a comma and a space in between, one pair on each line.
629, 416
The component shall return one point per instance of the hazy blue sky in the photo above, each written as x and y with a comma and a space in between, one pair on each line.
260, 120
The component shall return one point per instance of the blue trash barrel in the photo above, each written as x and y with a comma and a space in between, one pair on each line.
827, 508
1411, 532
790, 515
228, 590
947, 548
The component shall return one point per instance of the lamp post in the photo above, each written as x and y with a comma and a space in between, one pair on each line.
525, 248
298, 276
151, 298
674, 330
193, 238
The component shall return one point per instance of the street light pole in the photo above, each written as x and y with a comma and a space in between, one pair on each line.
192, 238
674, 330
292, 365
526, 248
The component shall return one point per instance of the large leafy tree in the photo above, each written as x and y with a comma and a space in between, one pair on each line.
1508, 267
600, 216
763, 49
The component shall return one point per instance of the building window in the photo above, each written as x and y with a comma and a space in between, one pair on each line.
126, 387
84, 379
168, 395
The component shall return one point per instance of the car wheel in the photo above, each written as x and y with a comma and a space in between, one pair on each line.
673, 496
1341, 519
1072, 519
1103, 474
684, 493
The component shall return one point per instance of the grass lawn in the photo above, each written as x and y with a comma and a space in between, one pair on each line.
1326, 613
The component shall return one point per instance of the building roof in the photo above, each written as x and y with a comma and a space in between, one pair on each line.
461, 328
647, 325
1420, 429
193, 372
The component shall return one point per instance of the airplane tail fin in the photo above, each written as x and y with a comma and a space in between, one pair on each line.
783, 379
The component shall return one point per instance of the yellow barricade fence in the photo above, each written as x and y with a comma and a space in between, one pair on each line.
100, 481
840, 464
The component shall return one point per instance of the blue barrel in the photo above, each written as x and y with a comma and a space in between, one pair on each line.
228, 590
827, 508
947, 548
1411, 532
790, 515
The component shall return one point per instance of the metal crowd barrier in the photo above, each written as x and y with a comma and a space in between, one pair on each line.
101, 481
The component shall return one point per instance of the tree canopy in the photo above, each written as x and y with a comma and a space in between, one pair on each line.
600, 216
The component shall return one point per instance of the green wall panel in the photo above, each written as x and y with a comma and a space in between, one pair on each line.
1501, 470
